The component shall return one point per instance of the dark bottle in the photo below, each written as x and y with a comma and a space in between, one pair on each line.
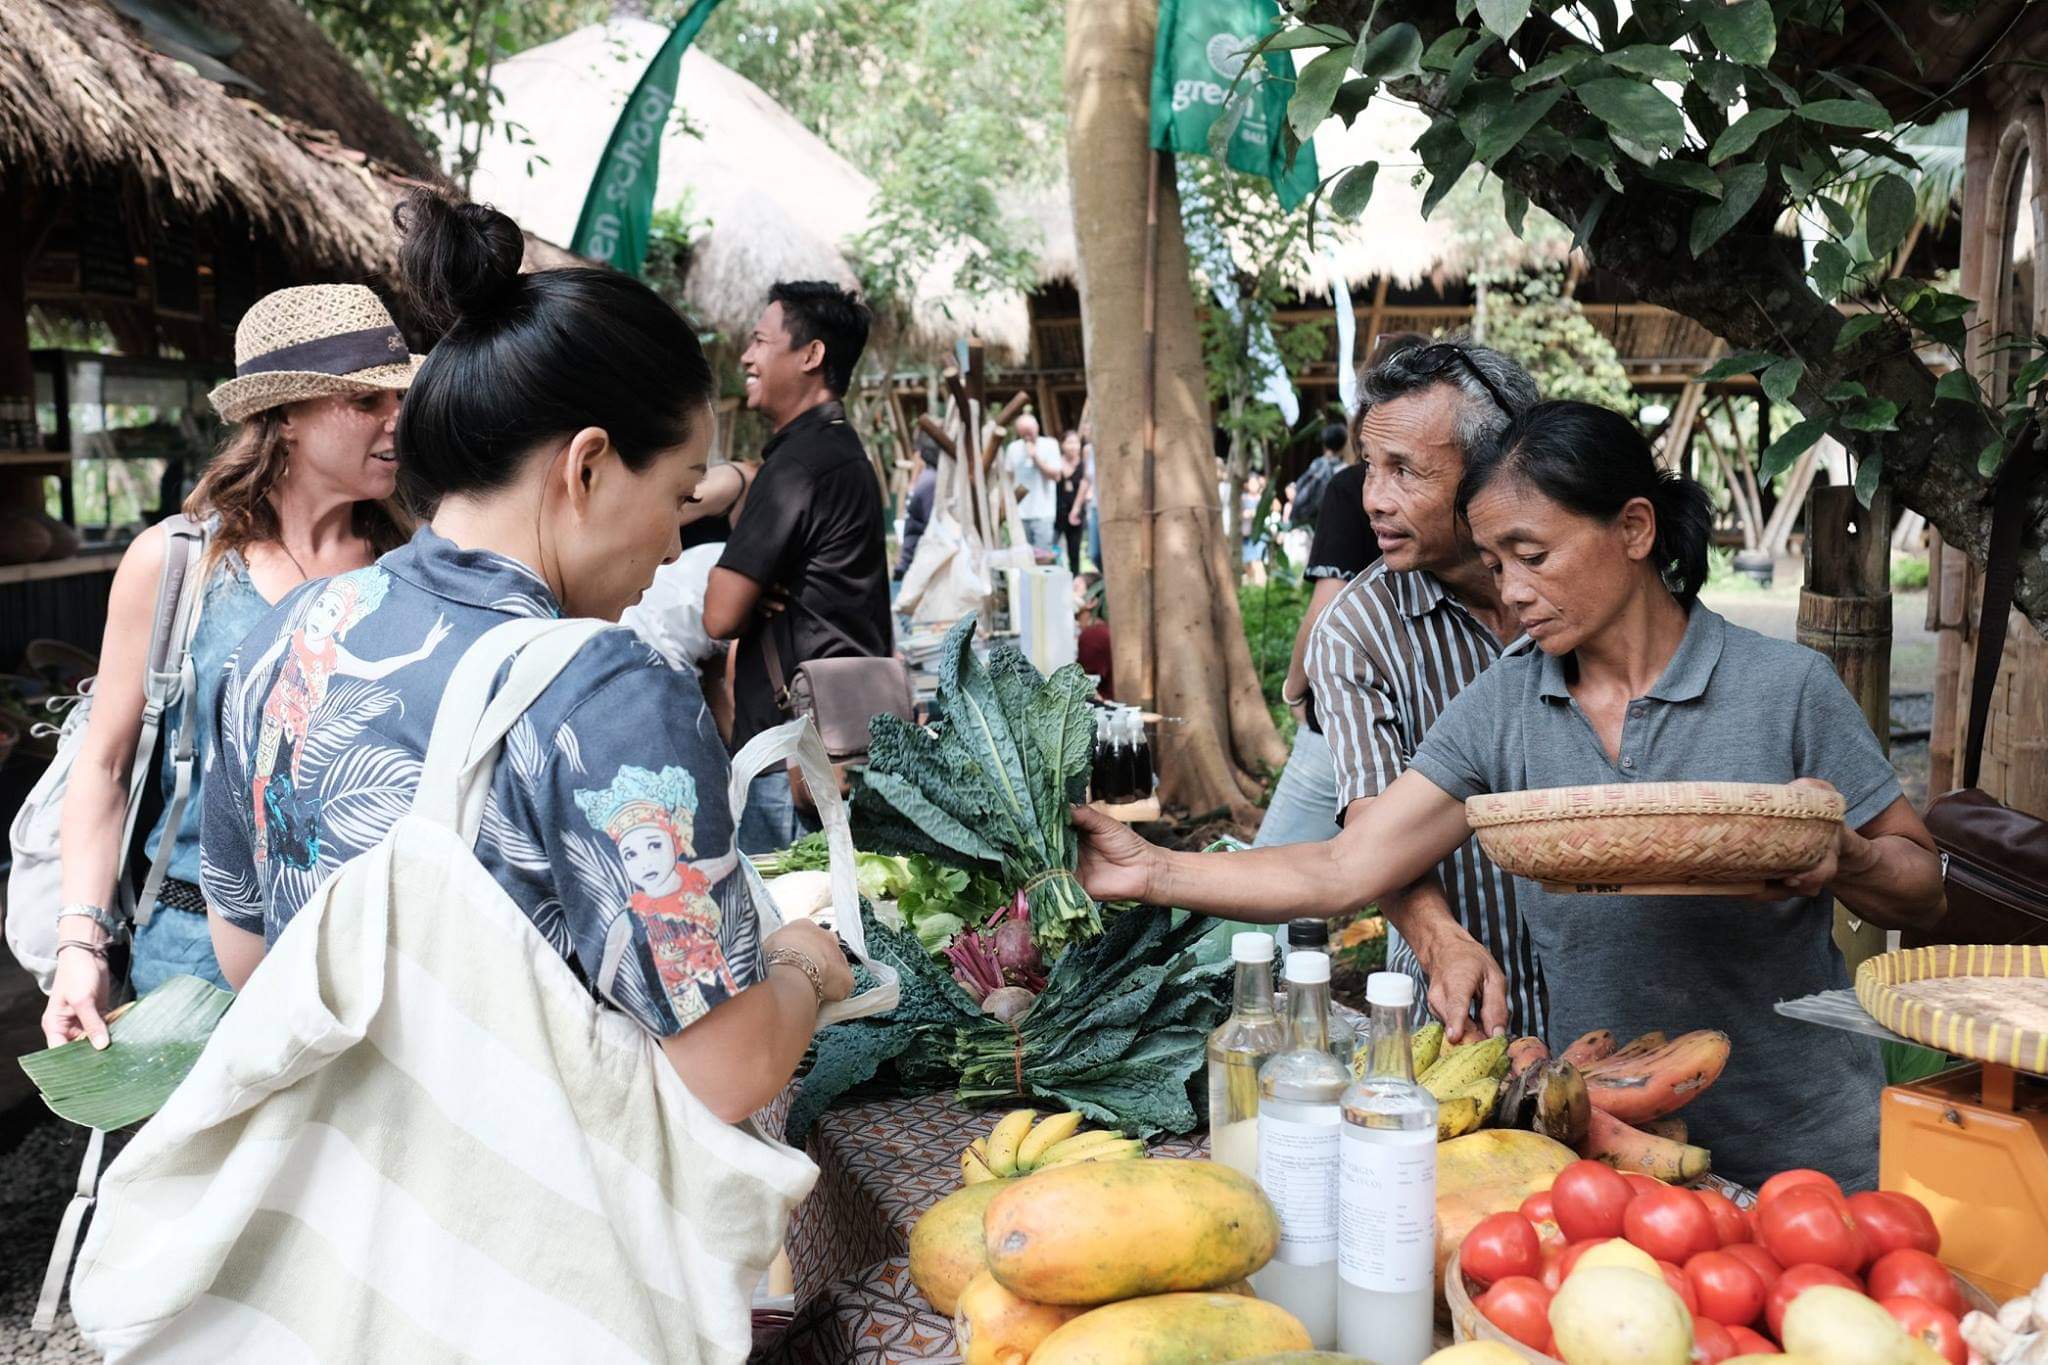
1141, 748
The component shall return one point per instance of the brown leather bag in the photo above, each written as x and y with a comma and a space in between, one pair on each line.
1994, 859
841, 694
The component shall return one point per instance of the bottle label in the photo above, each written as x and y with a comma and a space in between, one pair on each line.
1298, 1171
1386, 1196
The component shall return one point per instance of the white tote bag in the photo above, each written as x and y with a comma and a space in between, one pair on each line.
417, 1137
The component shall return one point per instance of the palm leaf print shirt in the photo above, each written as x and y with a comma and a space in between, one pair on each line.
607, 798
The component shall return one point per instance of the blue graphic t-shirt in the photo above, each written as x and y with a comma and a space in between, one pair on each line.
608, 794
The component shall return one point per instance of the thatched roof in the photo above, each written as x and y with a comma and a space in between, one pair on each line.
280, 132
771, 200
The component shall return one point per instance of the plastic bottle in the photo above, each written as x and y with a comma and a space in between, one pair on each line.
1141, 756
1237, 1049
1314, 935
1300, 1093
1387, 1192
1102, 776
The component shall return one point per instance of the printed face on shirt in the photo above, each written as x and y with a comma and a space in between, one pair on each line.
326, 616
1564, 575
1413, 464
648, 854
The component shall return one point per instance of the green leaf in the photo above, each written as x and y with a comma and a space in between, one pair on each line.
1352, 99
1990, 458
1830, 270
1872, 414
1869, 470
1514, 207
1711, 222
1888, 216
1315, 90
1393, 52
1462, 69
1845, 391
1779, 455
1720, 78
1225, 125
1503, 17
1858, 327
1353, 191
1688, 175
1838, 216
1445, 154
1443, 52
1308, 35
1634, 109
1507, 128
1743, 133
1583, 234
1649, 59
2031, 373
1782, 378
1955, 387
151, 1047
1846, 114
1746, 30
1554, 66
1741, 363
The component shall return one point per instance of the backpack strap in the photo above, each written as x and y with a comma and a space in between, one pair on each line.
52, 1294
168, 681
2001, 573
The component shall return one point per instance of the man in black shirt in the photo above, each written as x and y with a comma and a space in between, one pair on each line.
806, 560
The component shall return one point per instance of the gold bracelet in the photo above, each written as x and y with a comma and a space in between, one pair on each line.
790, 957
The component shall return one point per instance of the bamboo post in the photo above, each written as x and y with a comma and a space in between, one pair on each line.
1149, 437
1845, 612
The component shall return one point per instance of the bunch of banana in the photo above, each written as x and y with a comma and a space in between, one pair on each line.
1021, 1143
1466, 1082
1425, 1045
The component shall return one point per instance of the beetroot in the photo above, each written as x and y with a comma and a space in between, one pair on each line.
1016, 954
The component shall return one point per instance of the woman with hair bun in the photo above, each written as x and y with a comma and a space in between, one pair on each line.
1622, 675
557, 431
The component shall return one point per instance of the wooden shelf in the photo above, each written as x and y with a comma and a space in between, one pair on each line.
48, 458
97, 561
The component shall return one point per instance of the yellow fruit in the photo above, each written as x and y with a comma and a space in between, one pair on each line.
1081, 1142
1174, 1329
1004, 1139
1124, 1149
1456, 1117
1610, 1316
1096, 1231
1617, 1253
974, 1164
1490, 1171
946, 1243
1424, 1046
1475, 1353
1839, 1326
992, 1326
1048, 1134
1463, 1065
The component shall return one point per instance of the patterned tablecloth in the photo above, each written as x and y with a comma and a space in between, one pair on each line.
880, 1166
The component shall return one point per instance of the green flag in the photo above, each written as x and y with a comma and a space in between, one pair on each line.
620, 205
1200, 55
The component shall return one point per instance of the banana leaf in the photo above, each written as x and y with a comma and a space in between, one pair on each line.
151, 1046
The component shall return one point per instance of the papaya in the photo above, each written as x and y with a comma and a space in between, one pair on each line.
946, 1243
1316, 1358
992, 1326
1174, 1329
1094, 1232
1490, 1171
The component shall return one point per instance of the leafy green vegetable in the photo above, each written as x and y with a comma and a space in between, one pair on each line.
151, 1047
990, 786
808, 854
938, 901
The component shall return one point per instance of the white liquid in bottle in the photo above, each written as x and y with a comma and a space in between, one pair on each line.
1299, 1125
1237, 1049
1387, 1193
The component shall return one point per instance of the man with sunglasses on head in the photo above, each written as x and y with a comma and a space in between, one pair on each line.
1405, 637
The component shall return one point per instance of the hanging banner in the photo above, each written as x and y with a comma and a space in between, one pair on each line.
1195, 70
617, 211
1209, 251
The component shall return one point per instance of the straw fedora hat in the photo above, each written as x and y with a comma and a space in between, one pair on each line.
312, 341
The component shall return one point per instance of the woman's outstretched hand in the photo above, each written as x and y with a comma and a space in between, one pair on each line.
1116, 865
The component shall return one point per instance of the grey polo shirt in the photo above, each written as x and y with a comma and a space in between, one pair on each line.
1732, 705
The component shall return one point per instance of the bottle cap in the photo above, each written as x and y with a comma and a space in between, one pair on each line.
1307, 933
1251, 947
1394, 989
1309, 968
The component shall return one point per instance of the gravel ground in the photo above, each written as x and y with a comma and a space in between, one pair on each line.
37, 1175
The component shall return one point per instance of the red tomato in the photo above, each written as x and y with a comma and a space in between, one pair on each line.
1810, 1227
1500, 1245
1589, 1199
1915, 1274
1934, 1325
1538, 1210
1750, 1343
1795, 1281
1785, 1180
1756, 1258
1553, 1266
1642, 1184
1730, 1292
1520, 1307
1570, 1260
1729, 1224
1711, 1343
1680, 1285
1891, 1221
1671, 1224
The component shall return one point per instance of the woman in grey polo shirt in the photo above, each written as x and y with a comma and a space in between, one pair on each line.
1623, 676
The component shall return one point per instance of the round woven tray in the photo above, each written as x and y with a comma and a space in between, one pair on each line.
1657, 838
1987, 1003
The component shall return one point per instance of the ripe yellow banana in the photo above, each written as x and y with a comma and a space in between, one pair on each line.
1048, 1134
1461, 1066
1004, 1139
1456, 1117
1079, 1143
1424, 1047
1484, 1092
1124, 1149
974, 1167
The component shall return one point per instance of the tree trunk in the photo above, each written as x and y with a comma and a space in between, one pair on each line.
1237, 465
1203, 671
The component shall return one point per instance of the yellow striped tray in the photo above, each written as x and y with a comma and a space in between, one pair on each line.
1985, 1002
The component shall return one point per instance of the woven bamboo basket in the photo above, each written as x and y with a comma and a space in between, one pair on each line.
1657, 838
1986, 1002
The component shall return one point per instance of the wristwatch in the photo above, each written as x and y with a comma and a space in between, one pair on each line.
116, 927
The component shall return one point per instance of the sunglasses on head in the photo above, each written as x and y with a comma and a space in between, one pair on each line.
1439, 356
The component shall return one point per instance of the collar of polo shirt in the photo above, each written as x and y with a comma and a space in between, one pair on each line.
1684, 678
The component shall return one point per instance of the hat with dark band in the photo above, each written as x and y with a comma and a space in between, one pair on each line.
314, 341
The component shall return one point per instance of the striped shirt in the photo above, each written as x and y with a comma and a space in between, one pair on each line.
1386, 658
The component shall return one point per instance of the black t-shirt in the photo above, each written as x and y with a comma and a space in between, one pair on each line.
1344, 546
812, 527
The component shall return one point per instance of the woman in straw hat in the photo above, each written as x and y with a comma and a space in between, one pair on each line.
302, 489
